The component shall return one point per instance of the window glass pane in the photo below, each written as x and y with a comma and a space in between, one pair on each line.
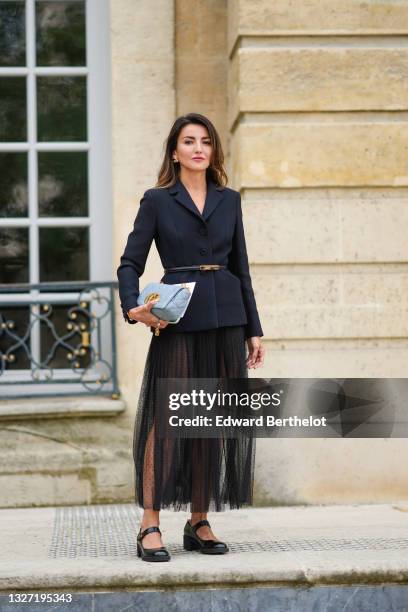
13, 185
63, 184
16, 320
71, 323
13, 255
13, 125
61, 103
12, 34
63, 254
60, 33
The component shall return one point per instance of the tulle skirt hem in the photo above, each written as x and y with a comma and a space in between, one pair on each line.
191, 474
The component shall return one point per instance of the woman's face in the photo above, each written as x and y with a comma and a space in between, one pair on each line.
194, 147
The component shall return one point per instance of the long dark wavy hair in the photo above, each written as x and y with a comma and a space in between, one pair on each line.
169, 171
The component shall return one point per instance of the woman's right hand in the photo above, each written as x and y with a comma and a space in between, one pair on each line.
143, 315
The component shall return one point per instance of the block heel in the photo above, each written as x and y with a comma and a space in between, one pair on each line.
192, 541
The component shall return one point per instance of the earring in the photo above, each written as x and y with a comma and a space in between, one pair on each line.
175, 160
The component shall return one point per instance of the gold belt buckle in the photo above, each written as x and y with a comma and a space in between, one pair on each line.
209, 267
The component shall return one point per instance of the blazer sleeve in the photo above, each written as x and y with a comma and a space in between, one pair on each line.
238, 264
133, 260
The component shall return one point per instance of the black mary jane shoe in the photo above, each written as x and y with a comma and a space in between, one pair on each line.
191, 541
151, 554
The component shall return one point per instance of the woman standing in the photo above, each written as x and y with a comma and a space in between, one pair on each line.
196, 223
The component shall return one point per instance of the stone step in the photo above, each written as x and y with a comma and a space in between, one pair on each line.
66, 459
297, 558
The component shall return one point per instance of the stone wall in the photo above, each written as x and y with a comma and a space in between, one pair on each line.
317, 115
143, 109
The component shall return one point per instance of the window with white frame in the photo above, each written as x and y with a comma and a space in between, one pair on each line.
55, 206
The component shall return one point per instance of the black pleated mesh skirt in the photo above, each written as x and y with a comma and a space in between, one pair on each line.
196, 474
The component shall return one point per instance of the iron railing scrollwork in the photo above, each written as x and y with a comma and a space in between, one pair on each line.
60, 334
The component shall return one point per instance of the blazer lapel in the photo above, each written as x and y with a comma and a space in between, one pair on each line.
214, 197
182, 196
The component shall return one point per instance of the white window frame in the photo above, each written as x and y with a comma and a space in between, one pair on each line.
99, 220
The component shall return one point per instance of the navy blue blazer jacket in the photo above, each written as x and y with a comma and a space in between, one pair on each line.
185, 237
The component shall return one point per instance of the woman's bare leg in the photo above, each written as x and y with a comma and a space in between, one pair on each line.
150, 517
202, 450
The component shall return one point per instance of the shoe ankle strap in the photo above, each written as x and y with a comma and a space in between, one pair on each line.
152, 529
200, 524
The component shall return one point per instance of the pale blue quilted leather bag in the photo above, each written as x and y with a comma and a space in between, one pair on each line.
173, 300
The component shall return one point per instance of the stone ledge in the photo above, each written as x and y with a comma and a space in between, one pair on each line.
62, 407
58, 461
257, 599
92, 547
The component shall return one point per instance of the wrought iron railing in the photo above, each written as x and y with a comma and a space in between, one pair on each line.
58, 339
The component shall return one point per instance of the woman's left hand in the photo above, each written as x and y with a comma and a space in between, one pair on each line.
256, 352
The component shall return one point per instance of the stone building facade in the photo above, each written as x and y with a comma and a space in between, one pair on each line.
310, 99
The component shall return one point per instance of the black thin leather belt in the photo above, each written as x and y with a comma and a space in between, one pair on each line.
201, 267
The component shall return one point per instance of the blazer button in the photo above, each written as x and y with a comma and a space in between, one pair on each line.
203, 251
